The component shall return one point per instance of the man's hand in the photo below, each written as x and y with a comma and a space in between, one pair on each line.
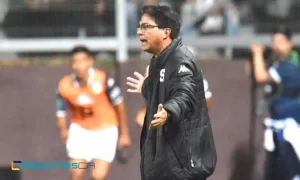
135, 83
160, 117
257, 48
261, 74
64, 134
124, 141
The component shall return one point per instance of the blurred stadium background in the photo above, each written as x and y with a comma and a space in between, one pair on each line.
36, 36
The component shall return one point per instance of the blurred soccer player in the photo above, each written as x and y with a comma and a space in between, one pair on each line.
96, 110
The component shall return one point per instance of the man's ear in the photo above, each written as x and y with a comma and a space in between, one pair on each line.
167, 33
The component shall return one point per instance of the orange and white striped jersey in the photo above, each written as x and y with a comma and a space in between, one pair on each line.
92, 106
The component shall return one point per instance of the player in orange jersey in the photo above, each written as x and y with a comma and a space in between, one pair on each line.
142, 112
95, 106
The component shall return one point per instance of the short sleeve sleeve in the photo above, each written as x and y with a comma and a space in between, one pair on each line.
274, 74
114, 91
207, 91
61, 109
286, 73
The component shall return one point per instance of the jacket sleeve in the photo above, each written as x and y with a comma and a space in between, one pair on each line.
181, 89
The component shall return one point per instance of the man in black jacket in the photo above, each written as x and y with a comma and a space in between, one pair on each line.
176, 140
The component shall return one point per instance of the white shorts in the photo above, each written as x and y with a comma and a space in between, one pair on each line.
89, 145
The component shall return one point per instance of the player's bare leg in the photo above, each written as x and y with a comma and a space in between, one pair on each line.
140, 117
77, 174
101, 169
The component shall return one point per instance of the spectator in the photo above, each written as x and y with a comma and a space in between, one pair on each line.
232, 20
132, 16
213, 23
283, 127
104, 18
42, 4
279, 8
191, 12
3, 10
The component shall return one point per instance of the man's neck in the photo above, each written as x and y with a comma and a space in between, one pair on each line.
283, 57
83, 81
165, 44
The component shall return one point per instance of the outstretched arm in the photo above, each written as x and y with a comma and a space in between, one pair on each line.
182, 91
117, 100
261, 74
61, 113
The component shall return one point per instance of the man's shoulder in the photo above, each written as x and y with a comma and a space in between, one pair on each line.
286, 66
182, 60
182, 56
101, 75
65, 82
99, 72
65, 79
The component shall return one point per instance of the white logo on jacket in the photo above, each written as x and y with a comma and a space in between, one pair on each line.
183, 69
162, 75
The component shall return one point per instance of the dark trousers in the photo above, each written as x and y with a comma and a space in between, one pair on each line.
283, 163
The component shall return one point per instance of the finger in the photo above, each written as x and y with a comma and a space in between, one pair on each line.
135, 81
160, 107
132, 90
138, 75
155, 125
156, 116
155, 121
131, 85
152, 126
159, 115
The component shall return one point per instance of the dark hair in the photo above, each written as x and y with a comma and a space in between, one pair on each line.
285, 31
164, 17
79, 49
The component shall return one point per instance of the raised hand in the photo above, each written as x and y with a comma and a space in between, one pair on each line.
257, 48
135, 83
